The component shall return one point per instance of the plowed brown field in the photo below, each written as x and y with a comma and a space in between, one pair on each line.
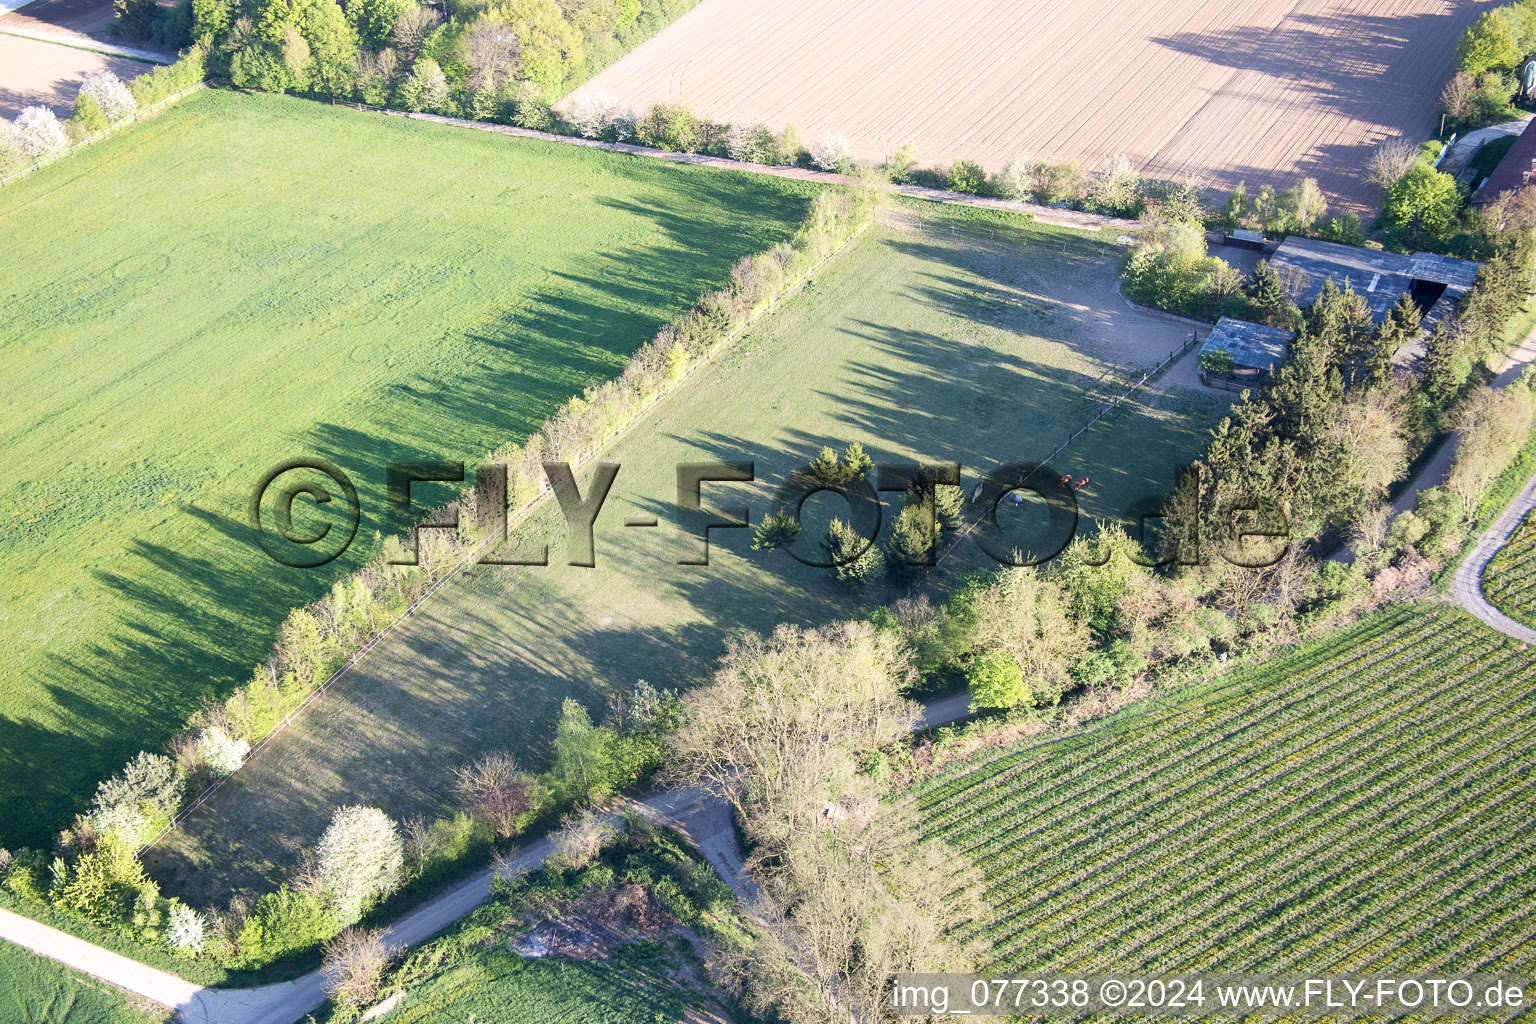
1217, 90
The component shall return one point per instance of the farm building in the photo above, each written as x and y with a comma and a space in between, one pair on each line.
1513, 172
1237, 351
1437, 283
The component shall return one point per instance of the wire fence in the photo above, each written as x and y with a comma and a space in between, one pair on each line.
1109, 405
110, 130
514, 518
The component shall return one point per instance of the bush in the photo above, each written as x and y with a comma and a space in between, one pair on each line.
110, 94
1422, 204
831, 153
670, 127
282, 924
87, 119
856, 560
187, 929
354, 965
967, 177
996, 681
221, 752
1017, 180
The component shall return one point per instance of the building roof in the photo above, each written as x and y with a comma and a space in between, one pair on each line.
1458, 275
1378, 276
1510, 175
1252, 346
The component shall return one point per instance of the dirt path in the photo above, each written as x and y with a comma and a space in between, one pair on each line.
703, 818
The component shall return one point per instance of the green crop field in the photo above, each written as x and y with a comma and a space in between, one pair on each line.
1362, 804
40, 991
246, 279
1509, 578
936, 335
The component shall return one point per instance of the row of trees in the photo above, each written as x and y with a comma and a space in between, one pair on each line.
95, 872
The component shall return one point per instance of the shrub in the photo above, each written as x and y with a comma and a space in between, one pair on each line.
670, 127
109, 93
221, 752
39, 132
187, 929
831, 153
359, 859
87, 119
140, 799
751, 143
497, 792
1017, 181
593, 114
284, 923
775, 530
101, 884
965, 176
900, 163
996, 681
856, 560
425, 88
354, 965
1061, 184
1116, 189
11, 155
1218, 361
1422, 204
582, 840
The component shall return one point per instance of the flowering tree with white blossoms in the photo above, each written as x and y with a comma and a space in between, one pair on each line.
830, 153
39, 132
110, 94
593, 113
222, 753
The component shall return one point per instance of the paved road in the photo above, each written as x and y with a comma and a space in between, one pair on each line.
705, 819
1466, 584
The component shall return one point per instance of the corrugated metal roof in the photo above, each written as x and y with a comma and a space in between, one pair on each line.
1252, 346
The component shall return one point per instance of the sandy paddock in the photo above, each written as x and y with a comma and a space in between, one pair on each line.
1221, 90
33, 72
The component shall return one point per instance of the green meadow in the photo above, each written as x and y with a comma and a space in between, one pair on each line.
246, 279
937, 335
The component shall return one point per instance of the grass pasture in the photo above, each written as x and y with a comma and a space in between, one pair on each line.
1359, 805
937, 335
1509, 578
36, 990
245, 279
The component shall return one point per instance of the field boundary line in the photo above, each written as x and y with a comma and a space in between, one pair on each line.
1057, 217
112, 129
514, 518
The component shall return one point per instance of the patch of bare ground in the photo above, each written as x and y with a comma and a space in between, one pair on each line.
1217, 90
